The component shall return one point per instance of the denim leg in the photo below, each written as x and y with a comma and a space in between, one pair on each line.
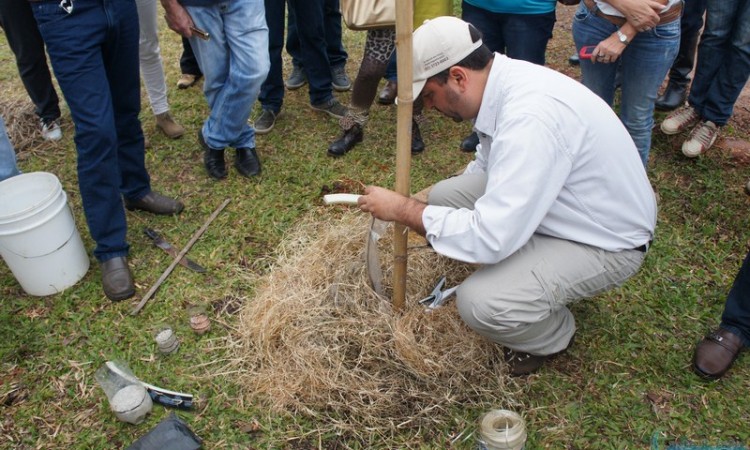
94, 53
235, 64
293, 46
526, 35
337, 55
8, 166
272, 91
27, 45
312, 39
391, 71
723, 60
736, 315
690, 24
645, 63
487, 23
188, 63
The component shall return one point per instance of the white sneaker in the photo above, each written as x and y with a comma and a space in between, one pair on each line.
680, 120
701, 139
51, 131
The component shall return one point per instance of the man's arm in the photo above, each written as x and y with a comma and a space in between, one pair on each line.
390, 206
177, 17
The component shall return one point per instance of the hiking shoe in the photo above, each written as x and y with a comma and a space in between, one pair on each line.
51, 130
166, 123
297, 79
680, 120
332, 107
701, 139
341, 81
265, 122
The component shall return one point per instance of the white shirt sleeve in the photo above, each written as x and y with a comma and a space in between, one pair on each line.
527, 166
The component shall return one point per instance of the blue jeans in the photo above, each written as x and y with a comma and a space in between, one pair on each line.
644, 64
235, 64
391, 71
519, 36
94, 54
8, 166
736, 315
337, 55
723, 60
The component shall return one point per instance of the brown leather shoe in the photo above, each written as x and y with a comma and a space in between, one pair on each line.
389, 93
117, 280
166, 123
156, 203
521, 363
186, 80
715, 354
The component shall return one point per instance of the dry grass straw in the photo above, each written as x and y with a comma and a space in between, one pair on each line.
20, 121
317, 340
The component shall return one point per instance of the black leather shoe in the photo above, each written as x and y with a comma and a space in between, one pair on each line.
247, 163
346, 142
389, 93
213, 159
673, 97
417, 144
715, 354
117, 281
156, 203
470, 142
574, 59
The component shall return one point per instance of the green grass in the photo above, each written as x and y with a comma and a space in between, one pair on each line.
626, 380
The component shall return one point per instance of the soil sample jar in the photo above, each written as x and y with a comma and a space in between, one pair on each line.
501, 429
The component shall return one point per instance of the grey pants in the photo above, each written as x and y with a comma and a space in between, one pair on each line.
521, 301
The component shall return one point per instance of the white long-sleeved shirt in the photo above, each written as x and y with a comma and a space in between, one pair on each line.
558, 161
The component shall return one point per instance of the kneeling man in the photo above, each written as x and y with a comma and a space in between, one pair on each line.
556, 205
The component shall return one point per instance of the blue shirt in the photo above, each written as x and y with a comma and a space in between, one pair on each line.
515, 6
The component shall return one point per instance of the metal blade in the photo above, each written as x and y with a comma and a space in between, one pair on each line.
171, 251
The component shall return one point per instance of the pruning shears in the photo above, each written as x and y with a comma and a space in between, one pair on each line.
438, 296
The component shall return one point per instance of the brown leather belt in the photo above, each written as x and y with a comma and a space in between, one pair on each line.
667, 16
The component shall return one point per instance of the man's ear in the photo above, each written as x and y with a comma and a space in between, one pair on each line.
459, 75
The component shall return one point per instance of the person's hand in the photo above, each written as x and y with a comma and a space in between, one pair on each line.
608, 51
391, 206
177, 18
642, 14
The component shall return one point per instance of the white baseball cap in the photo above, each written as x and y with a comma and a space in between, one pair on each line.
438, 44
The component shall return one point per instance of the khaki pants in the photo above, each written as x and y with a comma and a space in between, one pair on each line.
521, 302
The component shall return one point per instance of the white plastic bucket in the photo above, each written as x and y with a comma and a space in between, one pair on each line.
38, 236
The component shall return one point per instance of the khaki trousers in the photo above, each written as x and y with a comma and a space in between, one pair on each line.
521, 302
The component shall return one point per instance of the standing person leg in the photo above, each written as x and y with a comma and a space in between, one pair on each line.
716, 353
390, 90
526, 35
297, 78
378, 48
190, 72
691, 23
271, 95
152, 69
337, 55
27, 45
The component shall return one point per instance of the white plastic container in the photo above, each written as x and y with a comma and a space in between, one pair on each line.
38, 236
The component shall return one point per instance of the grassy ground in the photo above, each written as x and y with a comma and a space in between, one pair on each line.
625, 383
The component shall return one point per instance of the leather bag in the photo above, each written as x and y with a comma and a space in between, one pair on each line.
368, 14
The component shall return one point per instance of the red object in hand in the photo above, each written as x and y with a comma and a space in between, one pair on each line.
586, 51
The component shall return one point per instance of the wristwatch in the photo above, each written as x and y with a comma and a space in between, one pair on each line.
622, 37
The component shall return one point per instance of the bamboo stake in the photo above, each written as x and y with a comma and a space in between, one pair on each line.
404, 19
177, 258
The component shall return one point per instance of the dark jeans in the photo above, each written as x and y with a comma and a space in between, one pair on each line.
27, 45
337, 55
391, 72
271, 95
690, 24
188, 63
723, 60
736, 316
519, 36
94, 53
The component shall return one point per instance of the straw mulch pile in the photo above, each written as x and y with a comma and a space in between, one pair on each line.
317, 340
20, 121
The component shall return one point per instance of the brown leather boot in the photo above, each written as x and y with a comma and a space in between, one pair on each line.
168, 126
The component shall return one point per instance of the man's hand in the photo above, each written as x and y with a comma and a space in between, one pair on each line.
177, 17
642, 14
390, 206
